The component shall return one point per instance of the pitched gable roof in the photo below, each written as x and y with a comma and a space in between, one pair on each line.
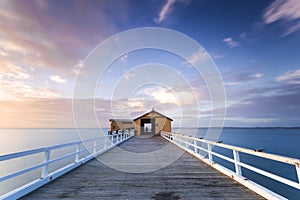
153, 111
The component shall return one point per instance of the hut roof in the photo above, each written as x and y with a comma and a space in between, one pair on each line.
153, 111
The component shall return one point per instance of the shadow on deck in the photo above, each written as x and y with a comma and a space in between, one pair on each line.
186, 178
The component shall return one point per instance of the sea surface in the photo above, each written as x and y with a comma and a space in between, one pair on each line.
280, 141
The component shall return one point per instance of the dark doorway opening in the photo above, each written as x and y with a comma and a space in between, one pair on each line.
148, 126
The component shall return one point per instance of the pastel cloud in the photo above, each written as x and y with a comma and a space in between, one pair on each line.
288, 10
57, 40
200, 55
16, 84
237, 77
257, 75
291, 77
167, 8
34, 40
162, 95
230, 42
57, 79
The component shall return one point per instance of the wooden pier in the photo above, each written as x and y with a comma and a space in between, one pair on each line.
186, 178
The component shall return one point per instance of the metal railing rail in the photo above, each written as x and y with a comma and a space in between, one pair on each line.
110, 141
187, 142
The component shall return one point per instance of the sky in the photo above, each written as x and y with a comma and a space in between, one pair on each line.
255, 45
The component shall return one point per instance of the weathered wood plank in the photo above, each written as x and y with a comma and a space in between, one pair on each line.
186, 178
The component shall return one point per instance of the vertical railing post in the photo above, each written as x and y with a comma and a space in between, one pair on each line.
195, 146
209, 149
236, 156
46, 161
186, 142
298, 172
180, 140
105, 141
95, 147
117, 138
77, 152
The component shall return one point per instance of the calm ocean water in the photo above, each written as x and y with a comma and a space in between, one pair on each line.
279, 141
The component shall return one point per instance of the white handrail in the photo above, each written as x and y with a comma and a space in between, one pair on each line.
81, 146
187, 142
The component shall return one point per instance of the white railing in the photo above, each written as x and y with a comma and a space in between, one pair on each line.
195, 146
96, 147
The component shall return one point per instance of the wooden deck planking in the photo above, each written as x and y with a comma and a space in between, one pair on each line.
186, 178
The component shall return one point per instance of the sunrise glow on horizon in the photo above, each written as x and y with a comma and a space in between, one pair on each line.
254, 44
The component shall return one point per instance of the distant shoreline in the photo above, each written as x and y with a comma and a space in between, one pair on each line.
228, 127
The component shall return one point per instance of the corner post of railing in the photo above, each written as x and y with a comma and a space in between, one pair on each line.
95, 147
77, 152
209, 149
46, 161
297, 165
236, 157
195, 146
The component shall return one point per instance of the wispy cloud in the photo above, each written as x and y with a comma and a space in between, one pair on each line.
9, 70
44, 47
19, 90
236, 77
199, 55
162, 95
124, 58
257, 75
291, 77
16, 84
230, 42
167, 8
280, 101
288, 10
57, 79
129, 75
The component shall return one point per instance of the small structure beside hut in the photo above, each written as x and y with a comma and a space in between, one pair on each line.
120, 124
150, 123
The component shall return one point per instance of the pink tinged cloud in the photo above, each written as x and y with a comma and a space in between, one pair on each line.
291, 77
57, 79
230, 42
33, 36
167, 9
288, 10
